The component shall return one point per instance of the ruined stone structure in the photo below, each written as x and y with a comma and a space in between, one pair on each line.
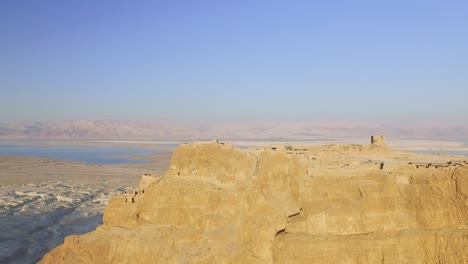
331, 204
438, 165
378, 140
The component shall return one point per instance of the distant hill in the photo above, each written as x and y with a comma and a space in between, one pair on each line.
163, 130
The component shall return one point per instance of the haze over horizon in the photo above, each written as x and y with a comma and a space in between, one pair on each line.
233, 60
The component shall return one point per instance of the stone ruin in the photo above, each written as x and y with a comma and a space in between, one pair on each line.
146, 180
378, 140
130, 196
438, 165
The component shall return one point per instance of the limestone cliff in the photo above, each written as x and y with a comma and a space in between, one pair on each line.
284, 204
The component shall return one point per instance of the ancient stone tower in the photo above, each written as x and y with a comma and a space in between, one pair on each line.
378, 140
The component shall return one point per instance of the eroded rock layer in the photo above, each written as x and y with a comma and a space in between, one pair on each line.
284, 204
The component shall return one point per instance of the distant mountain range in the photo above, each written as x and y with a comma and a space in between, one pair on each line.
159, 130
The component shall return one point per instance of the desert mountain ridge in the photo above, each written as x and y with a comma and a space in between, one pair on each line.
291, 130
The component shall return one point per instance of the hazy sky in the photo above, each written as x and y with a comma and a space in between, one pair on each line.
222, 60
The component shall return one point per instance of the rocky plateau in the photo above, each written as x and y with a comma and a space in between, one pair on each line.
358, 203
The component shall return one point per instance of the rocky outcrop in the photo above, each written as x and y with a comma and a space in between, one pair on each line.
333, 204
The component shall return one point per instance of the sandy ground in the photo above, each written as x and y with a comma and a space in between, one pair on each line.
44, 200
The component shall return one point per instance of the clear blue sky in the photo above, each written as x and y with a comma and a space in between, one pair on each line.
240, 60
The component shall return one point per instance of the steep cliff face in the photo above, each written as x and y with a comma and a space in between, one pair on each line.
221, 204
420, 218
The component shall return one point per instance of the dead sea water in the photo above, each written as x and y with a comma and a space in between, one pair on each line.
86, 154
